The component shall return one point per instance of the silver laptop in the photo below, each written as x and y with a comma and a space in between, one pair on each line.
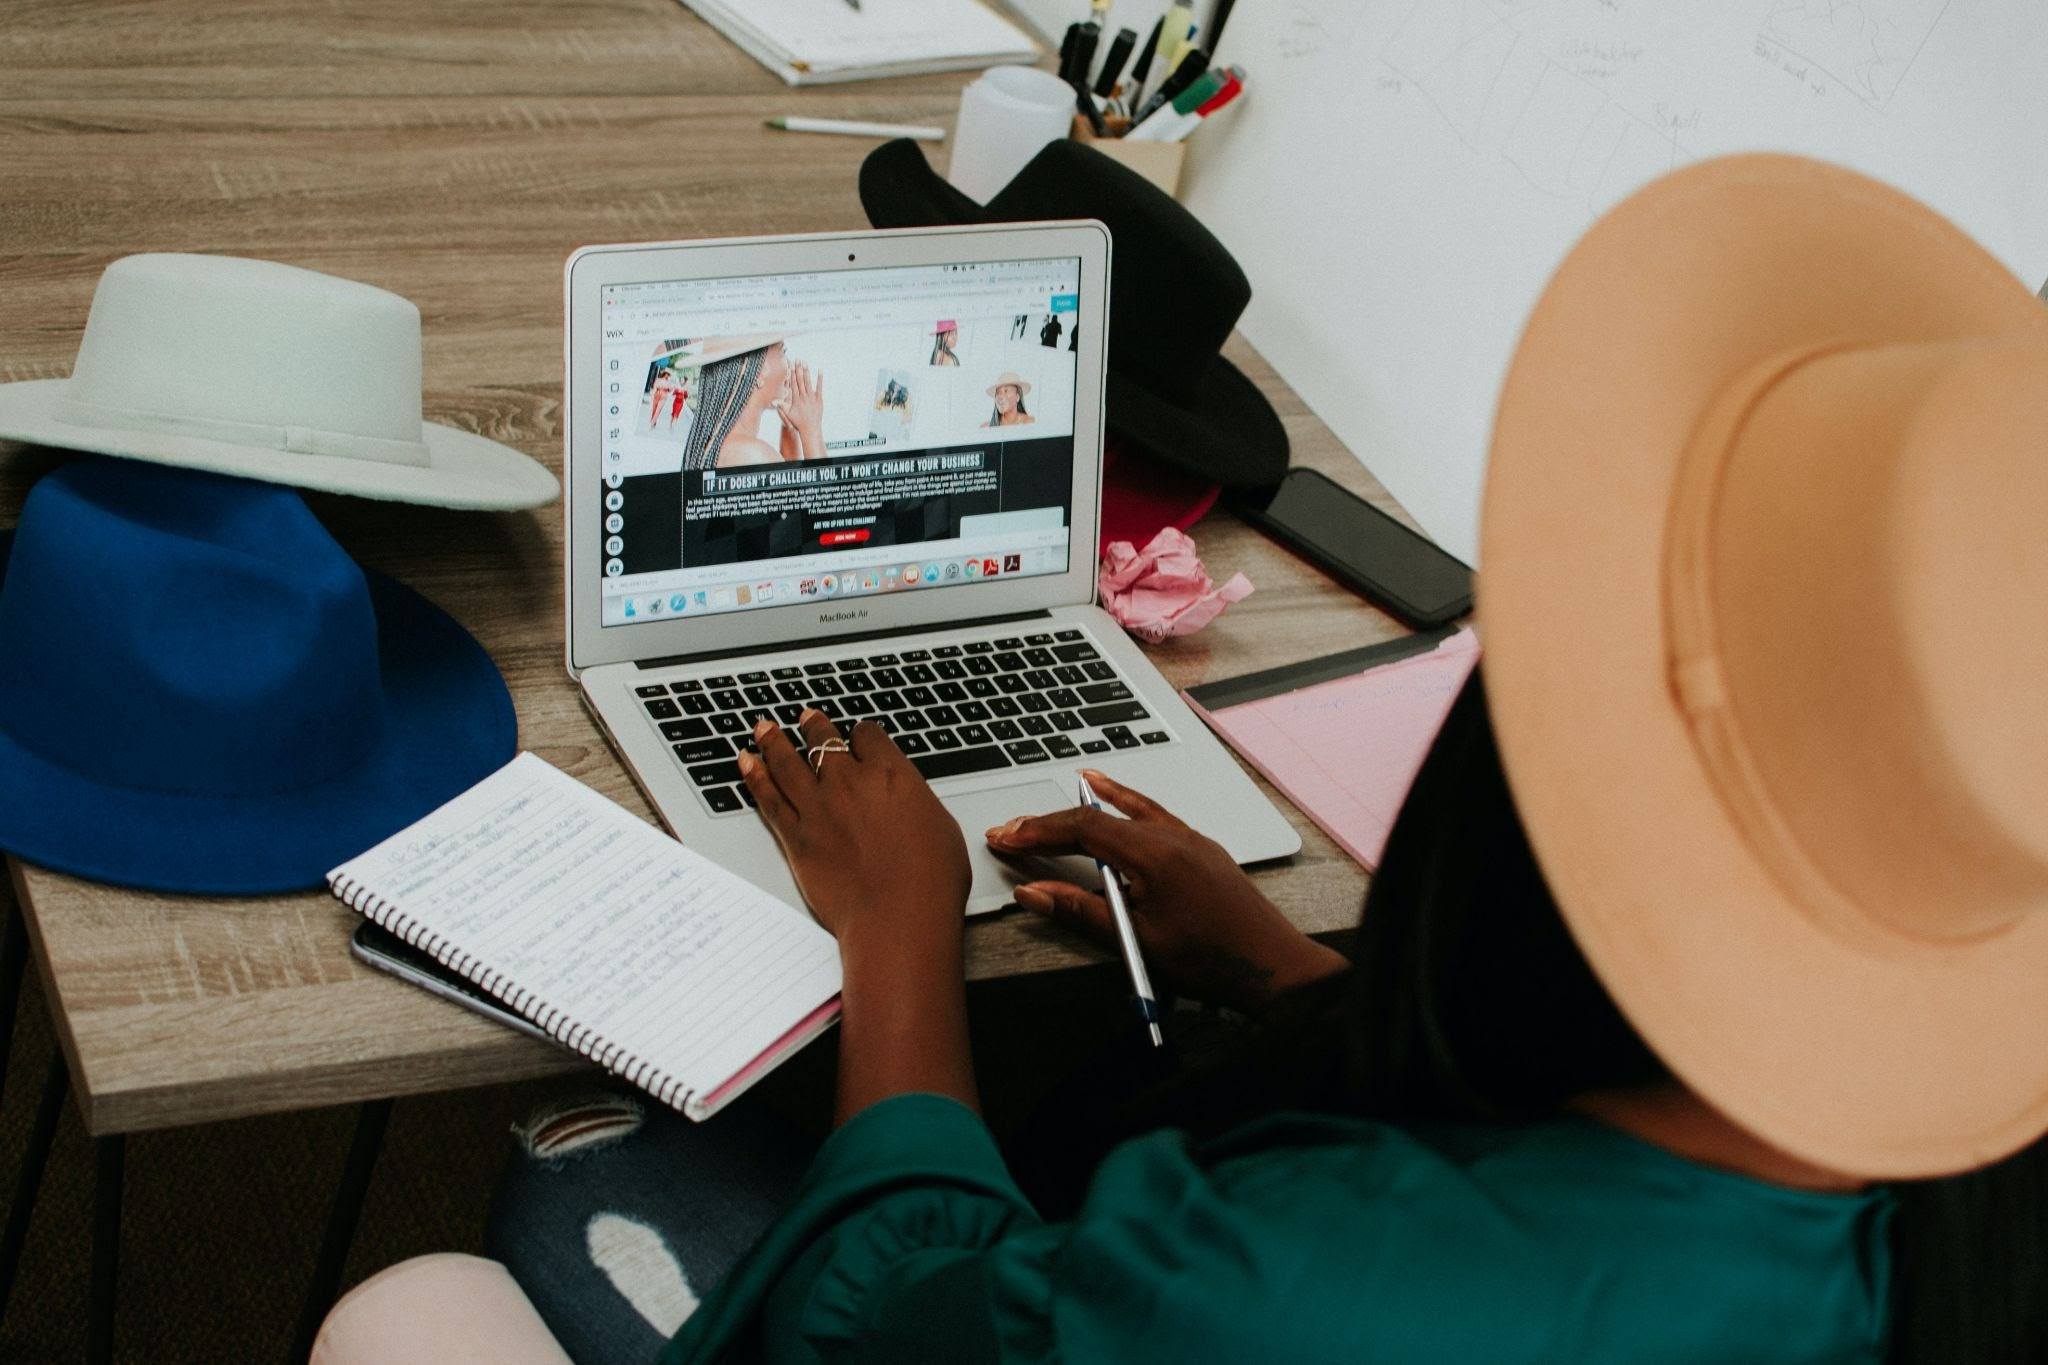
862, 472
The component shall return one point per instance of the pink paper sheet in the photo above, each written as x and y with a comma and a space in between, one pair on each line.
1346, 751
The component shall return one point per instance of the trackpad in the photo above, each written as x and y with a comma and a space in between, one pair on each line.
980, 811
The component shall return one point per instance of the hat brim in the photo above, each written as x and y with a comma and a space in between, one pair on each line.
449, 724
1227, 432
1882, 1057
1141, 497
466, 471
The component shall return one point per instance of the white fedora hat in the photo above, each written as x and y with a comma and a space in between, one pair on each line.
268, 372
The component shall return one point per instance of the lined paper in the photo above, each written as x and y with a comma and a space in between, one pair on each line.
599, 926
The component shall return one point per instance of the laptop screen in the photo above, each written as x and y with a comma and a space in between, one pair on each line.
781, 439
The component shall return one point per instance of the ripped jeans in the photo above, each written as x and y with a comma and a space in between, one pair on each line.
617, 1215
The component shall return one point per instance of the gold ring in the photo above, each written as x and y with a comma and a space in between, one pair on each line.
818, 751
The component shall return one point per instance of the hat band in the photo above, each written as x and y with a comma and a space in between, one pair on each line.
1698, 682
343, 445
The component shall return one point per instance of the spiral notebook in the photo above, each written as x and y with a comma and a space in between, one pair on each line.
809, 42
649, 959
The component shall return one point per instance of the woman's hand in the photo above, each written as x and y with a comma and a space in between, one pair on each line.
801, 405
1206, 930
883, 866
874, 852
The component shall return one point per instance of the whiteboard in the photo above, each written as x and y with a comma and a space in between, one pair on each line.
1402, 176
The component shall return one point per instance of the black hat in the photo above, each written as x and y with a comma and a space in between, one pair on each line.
1174, 292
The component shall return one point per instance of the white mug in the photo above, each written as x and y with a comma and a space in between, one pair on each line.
1006, 116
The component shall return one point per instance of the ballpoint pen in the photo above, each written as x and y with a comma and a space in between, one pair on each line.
1126, 934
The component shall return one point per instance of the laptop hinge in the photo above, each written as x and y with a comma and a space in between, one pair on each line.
929, 628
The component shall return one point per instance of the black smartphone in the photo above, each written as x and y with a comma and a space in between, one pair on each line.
388, 952
1361, 546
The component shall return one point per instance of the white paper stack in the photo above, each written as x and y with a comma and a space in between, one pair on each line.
811, 42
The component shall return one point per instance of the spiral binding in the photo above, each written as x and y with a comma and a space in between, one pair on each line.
550, 1020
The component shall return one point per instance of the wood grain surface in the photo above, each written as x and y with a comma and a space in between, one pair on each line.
455, 152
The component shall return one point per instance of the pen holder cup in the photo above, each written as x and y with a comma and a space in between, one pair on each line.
1158, 162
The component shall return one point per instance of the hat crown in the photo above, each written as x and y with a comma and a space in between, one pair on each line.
211, 340
1868, 578
185, 632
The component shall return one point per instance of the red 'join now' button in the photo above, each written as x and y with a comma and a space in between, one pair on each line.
843, 537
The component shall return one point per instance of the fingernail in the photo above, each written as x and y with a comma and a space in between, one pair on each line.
1095, 774
1031, 898
1002, 832
747, 763
807, 713
762, 727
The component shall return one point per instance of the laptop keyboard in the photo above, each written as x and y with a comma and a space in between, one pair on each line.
966, 706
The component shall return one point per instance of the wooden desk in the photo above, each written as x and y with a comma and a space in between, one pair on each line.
453, 151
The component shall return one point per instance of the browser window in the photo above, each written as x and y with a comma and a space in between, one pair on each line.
774, 440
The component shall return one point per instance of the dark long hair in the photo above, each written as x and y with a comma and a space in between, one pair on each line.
1469, 1000
723, 388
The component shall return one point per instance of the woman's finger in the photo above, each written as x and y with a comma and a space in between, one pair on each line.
1131, 802
792, 776
871, 743
767, 796
1094, 832
817, 729
1070, 905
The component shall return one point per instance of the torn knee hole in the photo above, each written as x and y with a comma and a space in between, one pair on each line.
574, 1127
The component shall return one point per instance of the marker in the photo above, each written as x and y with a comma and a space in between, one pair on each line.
1191, 121
1084, 52
1143, 68
1113, 64
1184, 75
854, 129
1186, 102
1085, 102
1126, 935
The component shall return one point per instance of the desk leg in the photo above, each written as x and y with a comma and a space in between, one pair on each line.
342, 1217
33, 1161
109, 1153
13, 959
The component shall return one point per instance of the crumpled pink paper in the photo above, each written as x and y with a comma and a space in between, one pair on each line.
1163, 589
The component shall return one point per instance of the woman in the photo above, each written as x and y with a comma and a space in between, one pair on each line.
736, 389
1695, 1012
1009, 392
946, 336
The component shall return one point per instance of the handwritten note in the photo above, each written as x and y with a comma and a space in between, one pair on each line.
1347, 751
600, 927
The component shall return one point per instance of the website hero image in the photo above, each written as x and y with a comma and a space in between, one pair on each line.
780, 438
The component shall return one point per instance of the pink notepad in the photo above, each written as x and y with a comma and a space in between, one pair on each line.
1343, 736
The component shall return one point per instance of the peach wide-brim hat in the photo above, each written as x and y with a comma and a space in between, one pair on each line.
1763, 573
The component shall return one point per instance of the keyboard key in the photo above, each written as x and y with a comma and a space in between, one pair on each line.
1004, 706
916, 656
753, 679
1064, 720
880, 660
951, 691
857, 682
728, 699
789, 711
979, 759
950, 668
763, 695
919, 673
942, 715
888, 725
1120, 736
919, 696
974, 734
888, 677
980, 687
813, 670
1059, 746
1113, 713
1094, 746
1005, 729
1066, 635
1070, 674
1034, 701
696, 705
1044, 639
747, 795
1026, 751
651, 690
1065, 697
702, 751
1010, 642
1035, 725
888, 701
944, 739
786, 672
1041, 679
1011, 683
913, 744
979, 647
856, 705
1154, 737
980, 665
792, 691
1099, 671
688, 728
661, 708
845, 664
1010, 663
1073, 654
824, 687
912, 720
686, 685
722, 680
726, 723
1105, 691
946, 652
1039, 658
722, 800
973, 710
714, 774
829, 708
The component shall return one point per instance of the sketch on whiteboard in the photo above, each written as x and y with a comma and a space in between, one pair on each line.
1554, 112
1865, 46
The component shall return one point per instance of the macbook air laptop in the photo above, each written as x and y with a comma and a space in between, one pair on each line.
862, 472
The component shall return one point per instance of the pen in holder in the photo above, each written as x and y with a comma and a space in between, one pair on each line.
1158, 162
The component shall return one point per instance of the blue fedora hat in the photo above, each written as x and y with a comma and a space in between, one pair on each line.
201, 692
